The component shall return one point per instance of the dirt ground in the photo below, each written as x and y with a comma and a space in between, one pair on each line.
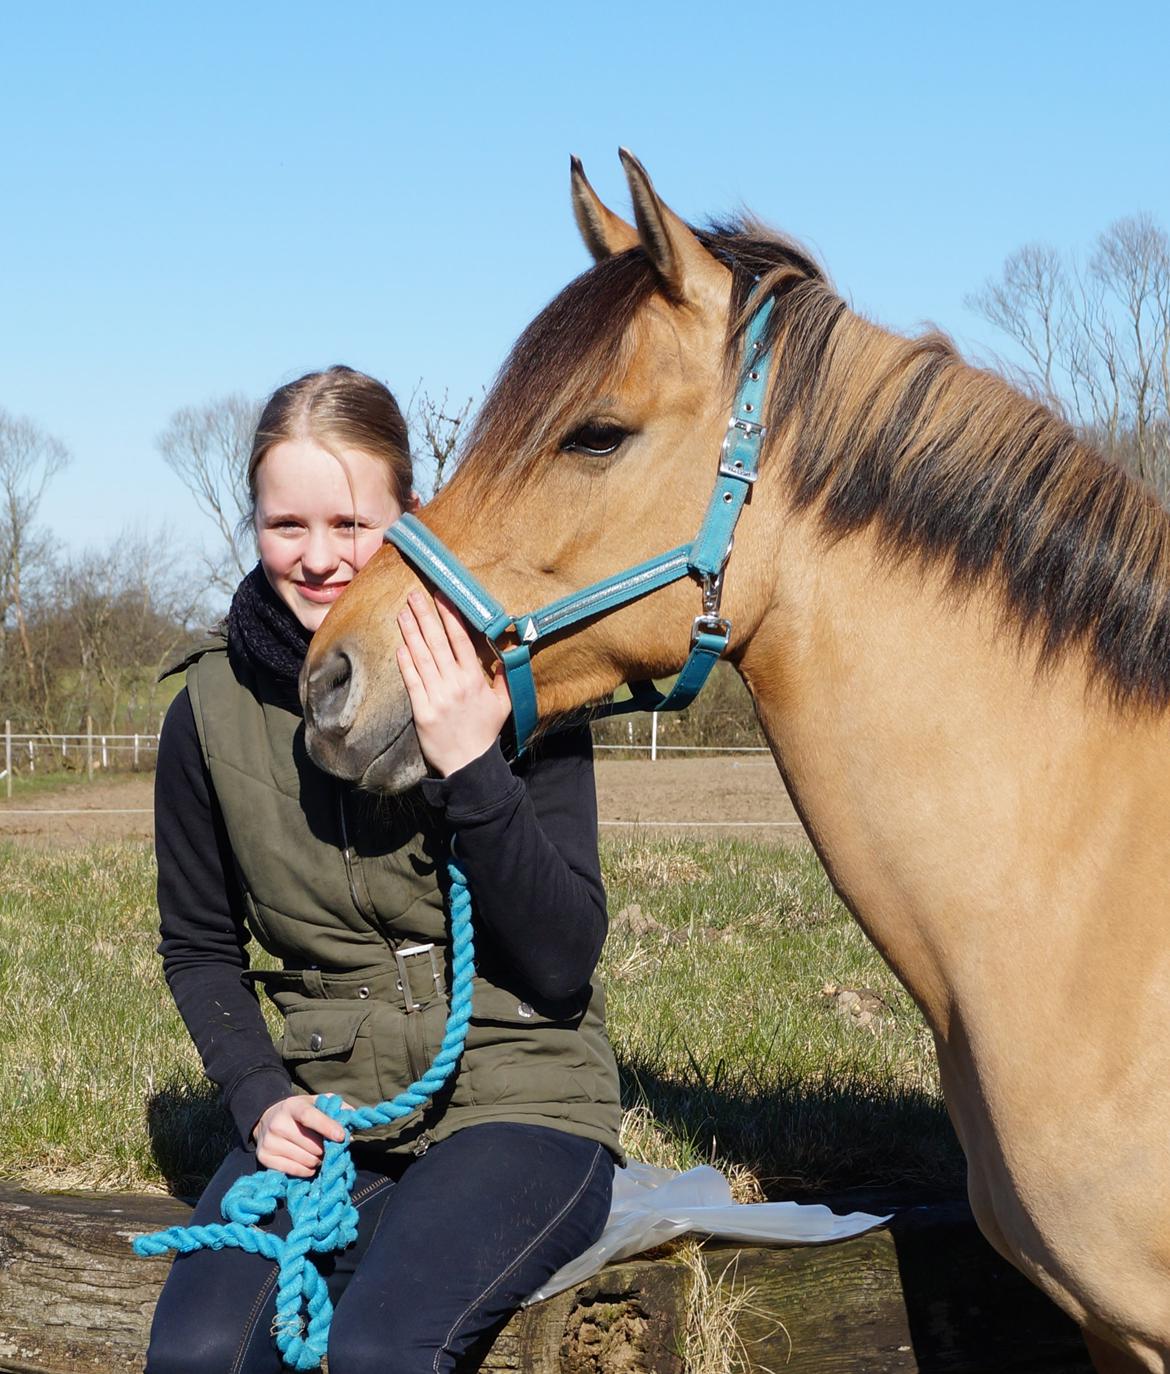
717, 795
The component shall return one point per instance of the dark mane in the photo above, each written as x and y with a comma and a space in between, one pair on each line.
571, 349
947, 463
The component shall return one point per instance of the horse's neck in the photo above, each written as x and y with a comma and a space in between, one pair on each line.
970, 812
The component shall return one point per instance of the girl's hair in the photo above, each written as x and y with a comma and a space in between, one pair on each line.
341, 407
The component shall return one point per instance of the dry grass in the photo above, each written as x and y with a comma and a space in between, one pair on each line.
715, 1306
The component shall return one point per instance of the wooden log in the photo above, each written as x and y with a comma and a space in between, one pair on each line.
925, 1294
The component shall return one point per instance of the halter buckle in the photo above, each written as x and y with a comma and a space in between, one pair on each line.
709, 625
737, 429
711, 622
401, 955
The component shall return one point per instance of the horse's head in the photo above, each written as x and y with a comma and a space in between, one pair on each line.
596, 449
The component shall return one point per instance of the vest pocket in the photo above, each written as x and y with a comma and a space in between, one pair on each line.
335, 1047
527, 1055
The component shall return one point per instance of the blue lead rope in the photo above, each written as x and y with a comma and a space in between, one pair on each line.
323, 1216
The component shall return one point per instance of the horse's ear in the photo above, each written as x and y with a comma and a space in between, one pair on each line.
604, 232
683, 265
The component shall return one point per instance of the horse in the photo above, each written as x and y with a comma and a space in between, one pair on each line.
953, 617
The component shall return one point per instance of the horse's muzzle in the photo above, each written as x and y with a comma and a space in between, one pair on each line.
379, 751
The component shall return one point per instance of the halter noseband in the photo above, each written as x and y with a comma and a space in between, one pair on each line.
705, 559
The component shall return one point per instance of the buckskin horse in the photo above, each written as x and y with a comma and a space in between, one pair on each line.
954, 620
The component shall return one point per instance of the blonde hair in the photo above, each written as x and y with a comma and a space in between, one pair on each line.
339, 406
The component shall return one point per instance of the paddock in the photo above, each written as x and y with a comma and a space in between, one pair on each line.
673, 795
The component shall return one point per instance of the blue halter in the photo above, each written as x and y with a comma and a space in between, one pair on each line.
704, 558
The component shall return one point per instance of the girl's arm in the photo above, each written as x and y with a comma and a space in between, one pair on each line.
528, 843
203, 932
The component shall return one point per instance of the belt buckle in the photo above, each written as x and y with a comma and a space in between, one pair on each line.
401, 955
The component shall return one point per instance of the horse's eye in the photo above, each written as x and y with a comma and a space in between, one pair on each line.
596, 439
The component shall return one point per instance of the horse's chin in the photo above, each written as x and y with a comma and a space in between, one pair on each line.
397, 768
371, 761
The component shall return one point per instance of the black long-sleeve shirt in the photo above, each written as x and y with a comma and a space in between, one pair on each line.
527, 844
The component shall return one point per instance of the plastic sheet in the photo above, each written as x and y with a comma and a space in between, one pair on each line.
651, 1206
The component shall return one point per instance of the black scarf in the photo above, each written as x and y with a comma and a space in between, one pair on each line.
261, 628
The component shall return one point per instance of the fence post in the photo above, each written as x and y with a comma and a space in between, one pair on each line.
8, 758
136, 753
105, 756
89, 748
654, 737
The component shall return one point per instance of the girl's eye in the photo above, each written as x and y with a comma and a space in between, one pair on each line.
596, 439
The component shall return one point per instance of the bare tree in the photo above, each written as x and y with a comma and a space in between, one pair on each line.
1030, 303
1097, 338
207, 448
437, 427
115, 617
29, 460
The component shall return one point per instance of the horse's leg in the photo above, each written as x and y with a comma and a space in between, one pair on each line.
1107, 1359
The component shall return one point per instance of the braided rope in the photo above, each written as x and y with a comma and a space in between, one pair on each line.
323, 1216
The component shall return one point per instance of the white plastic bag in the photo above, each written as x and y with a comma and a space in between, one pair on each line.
651, 1206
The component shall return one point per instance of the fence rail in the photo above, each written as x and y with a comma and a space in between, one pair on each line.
91, 750
96, 749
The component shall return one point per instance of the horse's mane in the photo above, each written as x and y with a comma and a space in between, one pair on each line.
944, 461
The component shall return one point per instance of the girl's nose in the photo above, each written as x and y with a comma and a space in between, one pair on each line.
319, 558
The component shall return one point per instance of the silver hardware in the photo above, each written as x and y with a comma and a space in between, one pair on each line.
755, 376
747, 405
713, 590
406, 952
524, 1010
711, 622
421, 1145
735, 428
316, 1040
363, 993
710, 625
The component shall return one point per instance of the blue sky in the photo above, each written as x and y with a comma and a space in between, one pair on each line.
218, 198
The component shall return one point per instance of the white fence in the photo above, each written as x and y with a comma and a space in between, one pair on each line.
95, 749
90, 751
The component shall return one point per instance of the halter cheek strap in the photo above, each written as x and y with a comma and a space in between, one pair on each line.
704, 558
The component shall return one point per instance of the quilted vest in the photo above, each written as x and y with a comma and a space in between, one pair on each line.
347, 890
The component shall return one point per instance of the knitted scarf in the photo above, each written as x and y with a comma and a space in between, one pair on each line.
262, 628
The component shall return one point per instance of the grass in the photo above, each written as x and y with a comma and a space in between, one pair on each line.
54, 781
729, 1050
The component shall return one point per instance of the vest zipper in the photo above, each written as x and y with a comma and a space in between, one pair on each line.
347, 854
421, 1145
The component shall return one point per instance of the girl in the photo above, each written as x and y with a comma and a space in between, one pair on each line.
469, 1204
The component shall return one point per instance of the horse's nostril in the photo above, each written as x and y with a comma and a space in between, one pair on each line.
331, 697
337, 674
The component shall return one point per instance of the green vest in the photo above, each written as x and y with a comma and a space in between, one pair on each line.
344, 888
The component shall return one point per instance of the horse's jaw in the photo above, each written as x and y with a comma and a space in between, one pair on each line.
386, 759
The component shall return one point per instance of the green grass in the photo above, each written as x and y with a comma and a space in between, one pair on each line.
62, 779
729, 1050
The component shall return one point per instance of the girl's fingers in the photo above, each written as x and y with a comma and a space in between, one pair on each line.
315, 1120
420, 654
459, 639
285, 1164
415, 687
433, 632
499, 684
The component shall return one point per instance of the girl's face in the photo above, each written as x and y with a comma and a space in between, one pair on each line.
319, 520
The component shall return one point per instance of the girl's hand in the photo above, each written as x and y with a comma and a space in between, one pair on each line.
290, 1136
458, 711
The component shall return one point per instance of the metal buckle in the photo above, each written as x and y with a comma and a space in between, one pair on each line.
710, 624
736, 427
406, 952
